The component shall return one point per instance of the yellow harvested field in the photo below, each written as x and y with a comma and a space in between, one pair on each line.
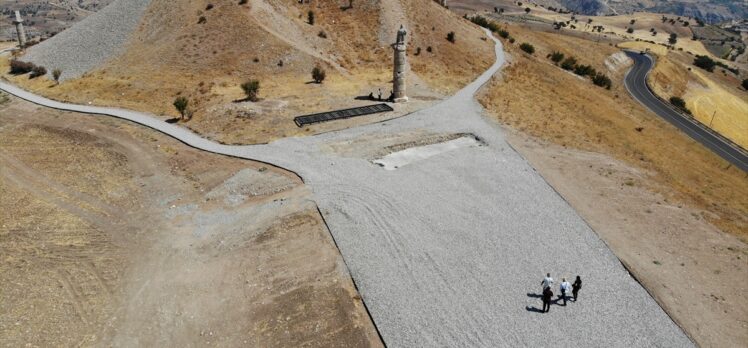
706, 94
643, 23
730, 111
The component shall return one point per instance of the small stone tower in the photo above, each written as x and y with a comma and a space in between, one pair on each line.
19, 29
398, 78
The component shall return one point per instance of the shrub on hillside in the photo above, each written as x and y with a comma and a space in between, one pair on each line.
318, 74
584, 70
630, 30
56, 75
673, 39
705, 63
503, 33
181, 103
251, 89
600, 79
569, 63
18, 67
527, 47
38, 71
451, 37
310, 17
556, 57
679, 103
745, 84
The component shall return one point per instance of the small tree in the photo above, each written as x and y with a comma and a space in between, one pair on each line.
251, 89
679, 103
569, 63
181, 104
673, 39
557, 57
56, 75
318, 74
527, 47
451, 37
600, 79
310, 17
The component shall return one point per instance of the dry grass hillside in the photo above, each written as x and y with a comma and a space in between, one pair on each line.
607, 121
542, 101
204, 52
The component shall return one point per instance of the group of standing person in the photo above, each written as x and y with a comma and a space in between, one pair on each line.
564, 288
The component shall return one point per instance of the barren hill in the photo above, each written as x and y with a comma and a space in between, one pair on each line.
204, 50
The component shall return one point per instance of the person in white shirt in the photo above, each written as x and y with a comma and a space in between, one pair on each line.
547, 281
564, 287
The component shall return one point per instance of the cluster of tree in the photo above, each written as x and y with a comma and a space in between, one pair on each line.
570, 64
18, 67
708, 64
490, 25
486, 23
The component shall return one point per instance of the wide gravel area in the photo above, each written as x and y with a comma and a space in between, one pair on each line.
91, 42
449, 251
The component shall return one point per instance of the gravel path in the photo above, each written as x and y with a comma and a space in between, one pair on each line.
91, 42
450, 250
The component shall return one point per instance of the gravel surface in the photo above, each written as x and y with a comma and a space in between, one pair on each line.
450, 250
90, 42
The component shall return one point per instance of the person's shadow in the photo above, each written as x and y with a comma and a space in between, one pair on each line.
533, 309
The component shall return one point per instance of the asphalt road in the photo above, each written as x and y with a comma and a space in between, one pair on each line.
636, 83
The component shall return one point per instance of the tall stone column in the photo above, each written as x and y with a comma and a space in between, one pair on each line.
400, 67
19, 29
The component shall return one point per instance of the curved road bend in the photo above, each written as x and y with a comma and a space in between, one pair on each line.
449, 251
636, 83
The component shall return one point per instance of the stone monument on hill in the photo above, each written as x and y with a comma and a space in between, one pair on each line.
399, 70
19, 29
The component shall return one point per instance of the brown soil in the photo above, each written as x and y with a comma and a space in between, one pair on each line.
655, 163
117, 235
207, 62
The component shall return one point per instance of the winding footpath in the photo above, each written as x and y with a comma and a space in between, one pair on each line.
636, 83
449, 251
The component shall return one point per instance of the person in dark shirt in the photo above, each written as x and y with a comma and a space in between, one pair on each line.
575, 287
547, 295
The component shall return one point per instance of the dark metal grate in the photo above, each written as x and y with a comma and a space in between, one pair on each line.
340, 114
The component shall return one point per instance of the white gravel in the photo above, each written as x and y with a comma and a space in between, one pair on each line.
446, 250
90, 42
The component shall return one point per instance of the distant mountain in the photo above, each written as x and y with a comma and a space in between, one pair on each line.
710, 11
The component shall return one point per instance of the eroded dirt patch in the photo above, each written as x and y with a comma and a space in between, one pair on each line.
117, 235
